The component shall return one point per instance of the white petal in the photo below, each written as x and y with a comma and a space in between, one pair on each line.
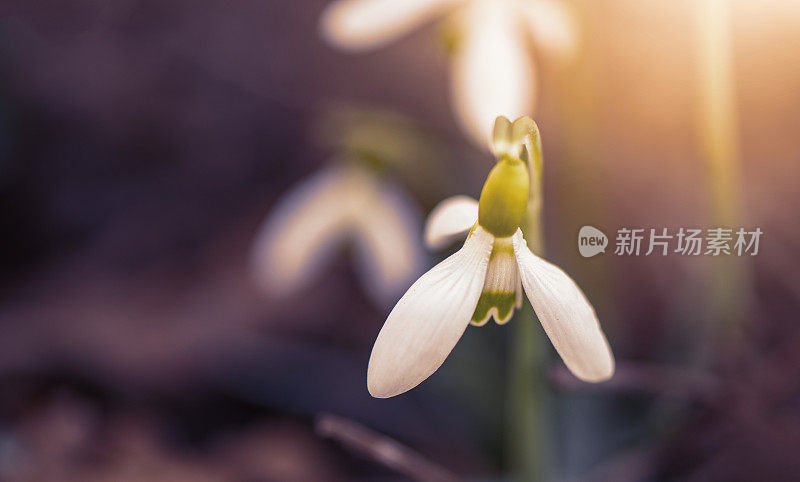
428, 320
389, 241
566, 315
492, 69
552, 24
451, 217
297, 238
365, 24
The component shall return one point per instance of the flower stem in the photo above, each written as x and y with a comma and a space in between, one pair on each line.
719, 137
528, 402
527, 429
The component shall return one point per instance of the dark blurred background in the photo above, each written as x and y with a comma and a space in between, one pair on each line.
143, 142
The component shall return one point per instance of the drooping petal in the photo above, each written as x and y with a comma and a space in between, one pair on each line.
364, 24
387, 230
296, 239
566, 315
552, 25
451, 217
429, 319
492, 69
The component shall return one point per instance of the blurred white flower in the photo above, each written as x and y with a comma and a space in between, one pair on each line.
342, 203
483, 280
492, 66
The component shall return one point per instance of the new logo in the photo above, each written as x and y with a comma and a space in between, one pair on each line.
591, 241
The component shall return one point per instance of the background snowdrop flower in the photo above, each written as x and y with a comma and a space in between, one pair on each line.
485, 279
492, 67
345, 202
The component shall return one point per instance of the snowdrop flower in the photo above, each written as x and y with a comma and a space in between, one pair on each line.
485, 279
345, 202
492, 68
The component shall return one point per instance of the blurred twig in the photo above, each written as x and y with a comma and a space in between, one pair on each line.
381, 449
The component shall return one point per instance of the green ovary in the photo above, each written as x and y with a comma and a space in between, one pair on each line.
502, 301
504, 199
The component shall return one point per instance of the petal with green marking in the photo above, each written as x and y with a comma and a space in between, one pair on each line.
499, 296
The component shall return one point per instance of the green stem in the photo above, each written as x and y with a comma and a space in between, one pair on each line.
528, 400
527, 434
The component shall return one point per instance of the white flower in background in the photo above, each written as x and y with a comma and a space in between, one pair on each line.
483, 280
492, 65
343, 203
